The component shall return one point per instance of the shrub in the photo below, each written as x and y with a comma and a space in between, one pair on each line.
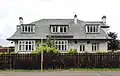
46, 49
72, 51
101, 51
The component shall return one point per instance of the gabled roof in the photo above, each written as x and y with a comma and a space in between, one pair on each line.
42, 30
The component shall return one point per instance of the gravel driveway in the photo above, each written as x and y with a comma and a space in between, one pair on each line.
63, 73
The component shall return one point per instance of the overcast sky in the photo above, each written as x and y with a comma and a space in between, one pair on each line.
32, 10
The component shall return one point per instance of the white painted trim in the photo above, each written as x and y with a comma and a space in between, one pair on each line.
92, 31
57, 29
65, 42
23, 45
93, 23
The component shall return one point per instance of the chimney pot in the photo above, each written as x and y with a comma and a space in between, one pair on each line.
20, 20
75, 15
104, 19
75, 19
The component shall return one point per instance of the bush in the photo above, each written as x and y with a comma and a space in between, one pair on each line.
72, 51
46, 49
102, 51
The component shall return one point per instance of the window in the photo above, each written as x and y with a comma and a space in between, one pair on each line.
92, 29
95, 46
61, 45
82, 47
59, 28
26, 45
27, 28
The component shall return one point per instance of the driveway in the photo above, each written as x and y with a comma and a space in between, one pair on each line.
63, 73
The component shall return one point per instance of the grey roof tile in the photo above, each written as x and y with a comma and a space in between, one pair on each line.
42, 29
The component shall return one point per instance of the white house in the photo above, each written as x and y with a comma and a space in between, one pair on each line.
85, 36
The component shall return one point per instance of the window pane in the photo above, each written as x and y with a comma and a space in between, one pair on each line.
22, 28
31, 28
33, 47
63, 47
30, 47
80, 48
26, 42
83, 47
19, 42
61, 29
54, 28
92, 47
23, 48
19, 47
62, 42
59, 42
28, 28
94, 29
29, 42
26, 48
25, 28
90, 28
65, 29
97, 46
59, 47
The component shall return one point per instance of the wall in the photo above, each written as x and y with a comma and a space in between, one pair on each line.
88, 47
16, 46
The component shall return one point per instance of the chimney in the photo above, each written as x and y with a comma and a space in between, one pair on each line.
20, 20
75, 19
104, 19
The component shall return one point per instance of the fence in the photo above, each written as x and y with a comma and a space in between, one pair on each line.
52, 61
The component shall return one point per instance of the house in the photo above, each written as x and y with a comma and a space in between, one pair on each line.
85, 36
6, 49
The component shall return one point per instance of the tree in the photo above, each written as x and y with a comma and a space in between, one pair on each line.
51, 43
114, 43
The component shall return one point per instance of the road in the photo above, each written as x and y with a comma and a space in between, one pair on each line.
65, 73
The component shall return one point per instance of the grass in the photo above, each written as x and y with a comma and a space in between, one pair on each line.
95, 69
72, 69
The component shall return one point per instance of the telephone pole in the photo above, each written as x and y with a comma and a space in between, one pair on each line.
41, 55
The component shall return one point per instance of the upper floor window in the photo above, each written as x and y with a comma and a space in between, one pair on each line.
92, 29
28, 28
59, 28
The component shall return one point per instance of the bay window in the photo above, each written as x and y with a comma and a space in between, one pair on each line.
61, 45
26, 45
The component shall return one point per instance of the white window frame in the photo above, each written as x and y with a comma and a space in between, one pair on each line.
82, 47
57, 28
97, 28
95, 46
61, 43
28, 28
22, 45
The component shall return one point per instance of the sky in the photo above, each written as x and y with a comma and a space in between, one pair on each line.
33, 10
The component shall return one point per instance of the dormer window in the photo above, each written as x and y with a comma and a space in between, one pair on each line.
27, 28
59, 28
92, 28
